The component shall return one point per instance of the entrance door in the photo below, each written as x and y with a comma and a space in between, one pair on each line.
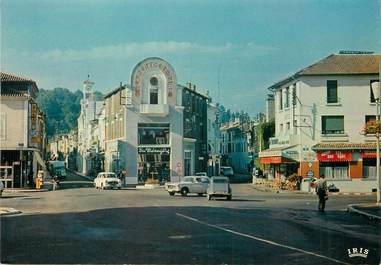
154, 166
188, 163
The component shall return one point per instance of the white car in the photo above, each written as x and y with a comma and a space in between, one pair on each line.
189, 184
219, 187
107, 180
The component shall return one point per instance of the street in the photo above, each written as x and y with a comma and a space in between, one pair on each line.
79, 224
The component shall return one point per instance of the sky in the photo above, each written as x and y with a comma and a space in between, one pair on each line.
234, 49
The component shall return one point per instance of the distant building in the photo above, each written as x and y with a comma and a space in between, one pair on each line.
214, 141
320, 112
22, 131
270, 107
90, 109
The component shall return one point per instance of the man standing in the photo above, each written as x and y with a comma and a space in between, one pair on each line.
321, 191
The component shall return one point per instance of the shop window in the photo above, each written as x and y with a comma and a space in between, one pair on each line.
334, 170
332, 91
369, 168
332, 124
152, 134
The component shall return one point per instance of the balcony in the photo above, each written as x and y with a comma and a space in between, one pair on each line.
160, 110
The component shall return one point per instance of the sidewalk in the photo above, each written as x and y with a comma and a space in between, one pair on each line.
369, 210
15, 190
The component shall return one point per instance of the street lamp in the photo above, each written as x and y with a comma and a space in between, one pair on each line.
376, 93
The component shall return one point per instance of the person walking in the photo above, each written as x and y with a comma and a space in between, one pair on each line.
321, 191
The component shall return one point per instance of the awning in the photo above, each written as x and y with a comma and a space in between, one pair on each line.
281, 155
40, 161
334, 156
369, 155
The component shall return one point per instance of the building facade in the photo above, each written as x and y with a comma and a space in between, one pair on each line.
22, 131
319, 115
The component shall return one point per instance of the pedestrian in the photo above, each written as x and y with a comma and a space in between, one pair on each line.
56, 182
322, 192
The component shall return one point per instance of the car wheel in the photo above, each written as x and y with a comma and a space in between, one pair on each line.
171, 193
119, 188
209, 197
184, 191
229, 197
200, 194
102, 186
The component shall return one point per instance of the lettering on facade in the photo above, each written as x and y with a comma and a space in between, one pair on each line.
156, 150
154, 65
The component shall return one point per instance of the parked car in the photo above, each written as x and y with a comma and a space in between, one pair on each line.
107, 180
219, 187
189, 184
201, 174
1, 188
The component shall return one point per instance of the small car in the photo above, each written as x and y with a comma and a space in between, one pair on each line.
189, 184
201, 174
219, 187
107, 180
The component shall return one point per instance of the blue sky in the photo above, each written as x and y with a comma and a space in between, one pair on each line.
234, 49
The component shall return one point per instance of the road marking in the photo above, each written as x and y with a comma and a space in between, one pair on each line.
260, 239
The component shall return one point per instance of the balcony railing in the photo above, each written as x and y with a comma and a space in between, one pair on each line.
154, 109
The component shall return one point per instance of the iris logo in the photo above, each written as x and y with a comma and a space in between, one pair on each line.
358, 252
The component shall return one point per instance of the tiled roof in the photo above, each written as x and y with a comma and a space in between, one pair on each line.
344, 146
338, 64
6, 77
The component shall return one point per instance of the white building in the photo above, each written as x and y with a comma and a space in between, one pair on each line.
214, 141
87, 120
319, 115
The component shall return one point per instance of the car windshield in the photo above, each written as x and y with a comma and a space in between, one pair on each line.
220, 181
228, 171
201, 174
109, 175
188, 179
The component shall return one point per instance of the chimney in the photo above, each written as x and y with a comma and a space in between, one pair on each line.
194, 87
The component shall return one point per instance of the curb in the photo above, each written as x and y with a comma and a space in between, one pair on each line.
351, 209
24, 190
8, 211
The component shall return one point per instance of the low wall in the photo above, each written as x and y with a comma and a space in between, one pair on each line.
354, 185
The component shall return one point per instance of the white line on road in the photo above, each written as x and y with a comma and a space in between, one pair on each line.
260, 239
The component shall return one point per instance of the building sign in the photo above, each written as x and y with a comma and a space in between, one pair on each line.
154, 150
153, 65
369, 155
271, 160
334, 156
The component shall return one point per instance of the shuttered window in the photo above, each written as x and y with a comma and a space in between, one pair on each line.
3, 126
332, 124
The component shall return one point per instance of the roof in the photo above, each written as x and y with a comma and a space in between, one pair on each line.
344, 146
7, 77
339, 64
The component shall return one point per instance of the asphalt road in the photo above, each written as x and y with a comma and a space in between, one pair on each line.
78, 224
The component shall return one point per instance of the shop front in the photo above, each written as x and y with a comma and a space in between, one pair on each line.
279, 162
350, 167
153, 163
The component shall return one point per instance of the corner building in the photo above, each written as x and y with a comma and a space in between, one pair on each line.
154, 123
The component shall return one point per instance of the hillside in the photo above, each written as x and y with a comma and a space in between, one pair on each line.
62, 108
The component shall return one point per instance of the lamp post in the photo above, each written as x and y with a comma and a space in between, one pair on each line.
376, 94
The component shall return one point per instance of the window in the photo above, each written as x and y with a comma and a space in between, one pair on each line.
372, 98
332, 91
153, 95
3, 126
370, 118
152, 134
281, 128
332, 124
294, 95
288, 126
287, 98
280, 100
334, 170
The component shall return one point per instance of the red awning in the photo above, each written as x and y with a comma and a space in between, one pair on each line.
334, 156
369, 155
276, 160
